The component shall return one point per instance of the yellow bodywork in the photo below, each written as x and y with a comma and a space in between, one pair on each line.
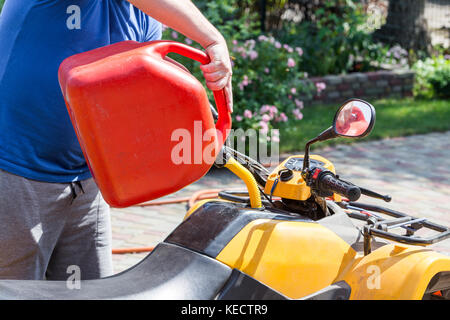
299, 258
296, 187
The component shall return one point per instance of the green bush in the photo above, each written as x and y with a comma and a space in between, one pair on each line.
267, 82
333, 34
229, 17
268, 89
440, 81
335, 39
432, 78
267, 93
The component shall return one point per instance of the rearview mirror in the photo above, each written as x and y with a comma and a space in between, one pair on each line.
355, 119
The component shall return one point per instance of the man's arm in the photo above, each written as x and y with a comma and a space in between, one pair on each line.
184, 17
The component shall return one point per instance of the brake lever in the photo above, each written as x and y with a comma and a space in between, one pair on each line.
373, 194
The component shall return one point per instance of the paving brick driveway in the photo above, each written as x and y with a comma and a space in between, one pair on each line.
414, 170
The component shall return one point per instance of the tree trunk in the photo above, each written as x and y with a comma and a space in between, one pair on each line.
405, 25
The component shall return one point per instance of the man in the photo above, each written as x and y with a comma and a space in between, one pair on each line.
53, 219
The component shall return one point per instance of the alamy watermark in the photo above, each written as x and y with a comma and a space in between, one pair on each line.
202, 146
73, 282
374, 280
73, 22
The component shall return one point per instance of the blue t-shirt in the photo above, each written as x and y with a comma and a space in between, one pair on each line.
37, 139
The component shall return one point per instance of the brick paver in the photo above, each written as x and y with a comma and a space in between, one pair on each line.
414, 170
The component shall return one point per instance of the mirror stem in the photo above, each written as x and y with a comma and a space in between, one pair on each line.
325, 135
306, 156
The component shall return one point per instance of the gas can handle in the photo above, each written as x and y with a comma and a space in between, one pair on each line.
164, 47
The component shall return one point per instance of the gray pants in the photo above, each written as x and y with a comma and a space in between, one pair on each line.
47, 230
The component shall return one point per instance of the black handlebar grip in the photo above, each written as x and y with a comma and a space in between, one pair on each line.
328, 182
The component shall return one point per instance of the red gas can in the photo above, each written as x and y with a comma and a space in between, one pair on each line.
144, 124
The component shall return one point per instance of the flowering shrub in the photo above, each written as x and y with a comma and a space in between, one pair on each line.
396, 55
268, 89
269, 78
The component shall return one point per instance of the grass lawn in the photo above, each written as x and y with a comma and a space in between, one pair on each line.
395, 118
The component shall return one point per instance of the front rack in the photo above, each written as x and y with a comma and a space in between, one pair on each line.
377, 226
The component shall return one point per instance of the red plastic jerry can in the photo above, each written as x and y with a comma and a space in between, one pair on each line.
144, 124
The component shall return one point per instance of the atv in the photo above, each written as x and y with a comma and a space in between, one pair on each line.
297, 232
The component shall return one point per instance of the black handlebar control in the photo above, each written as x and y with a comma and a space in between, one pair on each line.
327, 182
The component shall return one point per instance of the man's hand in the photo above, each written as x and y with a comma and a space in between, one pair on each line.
184, 17
218, 72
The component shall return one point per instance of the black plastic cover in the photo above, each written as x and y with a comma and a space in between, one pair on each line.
241, 286
337, 291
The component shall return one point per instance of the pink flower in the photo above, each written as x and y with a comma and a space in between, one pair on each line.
188, 41
174, 35
277, 45
320, 86
262, 38
266, 70
299, 104
239, 118
268, 112
248, 114
265, 108
253, 55
264, 128
293, 90
241, 50
288, 48
275, 139
245, 82
297, 114
291, 63
234, 42
266, 118
299, 51
282, 117
273, 110
236, 48
250, 44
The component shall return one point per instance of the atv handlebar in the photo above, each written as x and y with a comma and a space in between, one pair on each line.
328, 182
